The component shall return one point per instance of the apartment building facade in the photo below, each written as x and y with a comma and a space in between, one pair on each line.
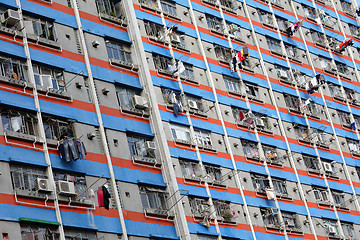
134, 120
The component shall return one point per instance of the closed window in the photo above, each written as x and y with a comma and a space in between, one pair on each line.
335, 91
280, 186
309, 12
318, 37
153, 198
203, 138
118, 51
188, 72
339, 199
168, 7
232, 85
274, 45
181, 133
342, 68
348, 230
290, 220
213, 173
223, 54
353, 146
149, 3
331, 227
265, 17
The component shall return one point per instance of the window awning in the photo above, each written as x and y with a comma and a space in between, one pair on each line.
33, 220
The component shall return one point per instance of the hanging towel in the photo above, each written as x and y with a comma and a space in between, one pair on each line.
100, 197
106, 197
241, 116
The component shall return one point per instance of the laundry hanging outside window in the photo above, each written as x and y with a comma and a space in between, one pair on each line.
347, 42
314, 83
294, 28
71, 148
103, 197
238, 59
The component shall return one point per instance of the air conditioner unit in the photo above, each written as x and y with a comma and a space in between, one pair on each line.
332, 230
233, 28
139, 102
259, 122
283, 74
175, 38
192, 104
150, 146
295, 71
270, 193
10, 17
65, 188
43, 185
327, 167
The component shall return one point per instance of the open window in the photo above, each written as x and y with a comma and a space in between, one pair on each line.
260, 183
36, 231
18, 124
344, 118
302, 133
151, 4
215, 24
235, 31
224, 211
336, 92
352, 96
57, 129
223, 54
266, 18
41, 31
200, 207
111, 10
30, 181
251, 150
154, 201
283, 24
311, 163
163, 64
326, 19
131, 101
339, 200
318, 38
354, 31
280, 187
195, 105
292, 103
191, 170
274, 46
203, 139
270, 218
321, 196
252, 92
213, 175
294, 53
154, 31
331, 228
142, 150
272, 156
13, 71
283, 74
50, 80
291, 221
310, 12
169, 8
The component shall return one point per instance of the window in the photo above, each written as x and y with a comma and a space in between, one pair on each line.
223, 54
12, 68
36, 232
318, 137
291, 221
234, 31
274, 45
252, 91
76, 235
339, 199
314, 110
327, 65
321, 196
154, 30
260, 183
48, 78
336, 92
347, 8
302, 133
311, 163
188, 73
213, 173
348, 230
153, 198
309, 12
227, 4
125, 96
344, 118
292, 102
342, 69
199, 207
24, 178
270, 217
250, 150
331, 228
180, 133
109, 8
215, 24
149, 3
79, 184
266, 18
118, 51
272, 156
280, 187
195, 105
168, 7
223, 210
138, 147
354, 30
283, 73
292, 52
40, 28
318, 38
203, 139
57, 129
353, 146
333, 43
327, 20
282, 23
162, 63
233, 85
20, 122
171, 97
191, 170
353, 96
